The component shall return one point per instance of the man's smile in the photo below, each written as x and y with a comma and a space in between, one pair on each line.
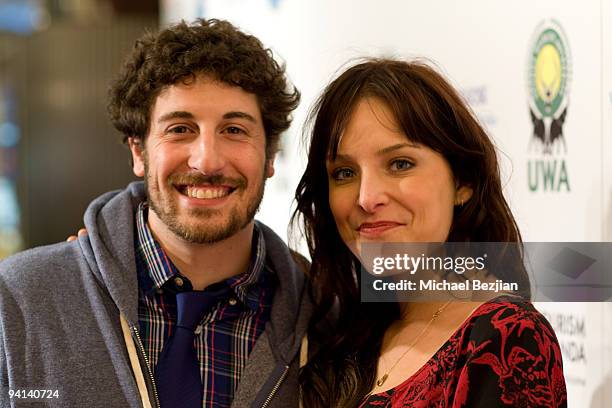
206, 191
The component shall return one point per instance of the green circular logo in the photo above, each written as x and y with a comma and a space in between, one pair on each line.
548, 70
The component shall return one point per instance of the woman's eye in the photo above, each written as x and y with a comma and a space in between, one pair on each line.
400, 165
342, 174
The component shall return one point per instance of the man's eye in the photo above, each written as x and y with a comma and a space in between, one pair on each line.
400, 165
179, 129
342, 174
234, 130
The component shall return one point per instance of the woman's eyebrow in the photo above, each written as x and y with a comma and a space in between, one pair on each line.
395, 147
381, 152
340, 156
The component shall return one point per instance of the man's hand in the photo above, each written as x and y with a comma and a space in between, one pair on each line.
82, 231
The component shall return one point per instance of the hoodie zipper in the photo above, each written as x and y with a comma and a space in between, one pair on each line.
276, 387
146, 359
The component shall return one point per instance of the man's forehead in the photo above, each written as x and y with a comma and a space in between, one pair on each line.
202, 81
206, 94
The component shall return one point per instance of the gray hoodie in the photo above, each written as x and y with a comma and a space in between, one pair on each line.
69, 319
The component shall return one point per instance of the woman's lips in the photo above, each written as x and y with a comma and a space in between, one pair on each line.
373, 229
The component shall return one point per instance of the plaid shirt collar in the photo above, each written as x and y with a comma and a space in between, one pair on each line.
155, 268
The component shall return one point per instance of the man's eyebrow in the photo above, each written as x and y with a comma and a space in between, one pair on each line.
239, 115
188, 115
175, 115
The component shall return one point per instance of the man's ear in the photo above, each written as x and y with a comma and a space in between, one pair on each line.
137, 149
270, 166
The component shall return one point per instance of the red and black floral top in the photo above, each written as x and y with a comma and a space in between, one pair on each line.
504, 355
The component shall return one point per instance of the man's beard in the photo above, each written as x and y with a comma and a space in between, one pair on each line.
166, 208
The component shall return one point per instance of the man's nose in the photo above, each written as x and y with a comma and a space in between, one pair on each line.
206, 155
372, 192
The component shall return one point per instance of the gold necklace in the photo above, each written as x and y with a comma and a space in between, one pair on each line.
381, 380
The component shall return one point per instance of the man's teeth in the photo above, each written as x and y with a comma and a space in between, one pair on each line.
207, 192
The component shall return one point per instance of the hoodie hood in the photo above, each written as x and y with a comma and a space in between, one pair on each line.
108, 246
292, 307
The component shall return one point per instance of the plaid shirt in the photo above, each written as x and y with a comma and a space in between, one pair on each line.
226, 334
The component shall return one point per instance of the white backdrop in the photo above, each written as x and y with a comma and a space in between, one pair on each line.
486, 48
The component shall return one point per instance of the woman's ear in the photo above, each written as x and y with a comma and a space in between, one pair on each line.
137, 149
463, 194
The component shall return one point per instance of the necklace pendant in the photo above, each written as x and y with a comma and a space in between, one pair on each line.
382, 380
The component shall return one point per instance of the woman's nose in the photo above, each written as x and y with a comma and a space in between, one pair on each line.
372, 192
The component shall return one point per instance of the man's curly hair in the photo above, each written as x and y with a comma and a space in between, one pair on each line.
211, 47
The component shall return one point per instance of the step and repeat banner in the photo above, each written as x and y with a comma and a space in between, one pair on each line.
537, 74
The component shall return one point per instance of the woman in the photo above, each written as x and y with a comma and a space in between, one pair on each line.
396, 156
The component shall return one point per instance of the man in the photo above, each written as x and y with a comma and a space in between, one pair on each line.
176, 297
